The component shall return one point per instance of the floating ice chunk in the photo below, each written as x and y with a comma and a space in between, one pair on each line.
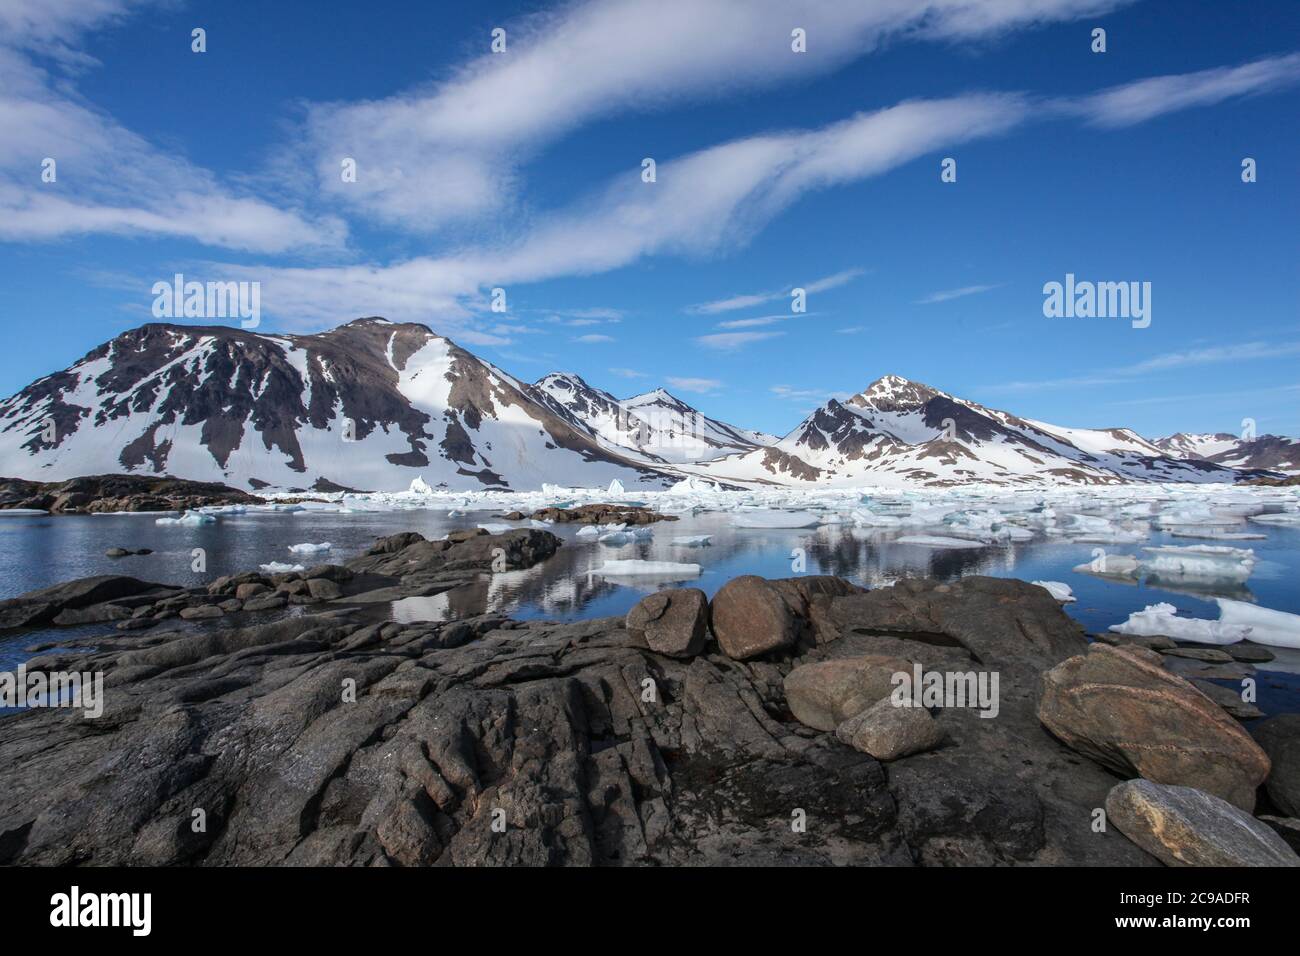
588, 531
1212, 534
419, 487
616, 539
693, 541
695, 484
1196, 515
1110, 564
534, 523
869, 519
631, 567
309, 548
1266, 626
18, 512
616, 488
278, 567
938, 541
776, 519
1158, 620
1058, 590
493, 528
1277, 517
191, 519
1201, 560
456, 513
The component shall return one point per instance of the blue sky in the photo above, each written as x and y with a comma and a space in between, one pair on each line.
819, 170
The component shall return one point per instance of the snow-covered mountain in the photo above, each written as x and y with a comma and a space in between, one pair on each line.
654, 427
373, 405
1272, 452
902, 432
370, 405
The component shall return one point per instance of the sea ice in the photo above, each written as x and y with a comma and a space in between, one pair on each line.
1277, 517
693, 541
616, 487
1058, 590
191, 519
309, 548
938, 541
419, 487
1204, 560
1159, 620
278, 567
1266, 626
776, 519
649, 568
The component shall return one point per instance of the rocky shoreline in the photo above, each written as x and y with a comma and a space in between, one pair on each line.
95, 494
288, 721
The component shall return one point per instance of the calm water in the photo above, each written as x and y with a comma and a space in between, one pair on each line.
41, 550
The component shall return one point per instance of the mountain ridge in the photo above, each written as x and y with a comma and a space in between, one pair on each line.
373, 405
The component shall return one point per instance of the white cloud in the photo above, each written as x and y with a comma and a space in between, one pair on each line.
1146, 99
594, 339
731, 303
453, 151
1242, 352
955, 294
727, 341
109, 180
698, 385
628, 373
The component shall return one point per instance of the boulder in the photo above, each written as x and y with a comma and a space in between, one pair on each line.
1227, 698
750, 617
826, 694
201, 613
1122, 709
1249, 653
323, 589
1280, 738
674, 621
1288, 828
887, 730
1183, 826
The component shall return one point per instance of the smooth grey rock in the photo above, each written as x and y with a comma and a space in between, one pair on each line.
887, 731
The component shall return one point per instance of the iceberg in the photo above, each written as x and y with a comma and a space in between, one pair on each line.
277, 567
1158, 620
1057, 590
776, 519
1207, 561
693, 541
650, 568
616, 487
938, 541
1265, 625
419, 487
191, 519
1109, 564
309, 548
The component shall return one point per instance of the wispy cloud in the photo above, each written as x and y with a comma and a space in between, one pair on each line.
949, 294
728, 341
628, 373
749, 300
1243, 352
594, 339
852, 329
698, 385
122, 183
454, 151
1146, 99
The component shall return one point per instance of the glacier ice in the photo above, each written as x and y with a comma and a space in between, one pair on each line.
1057, 590
1159, 620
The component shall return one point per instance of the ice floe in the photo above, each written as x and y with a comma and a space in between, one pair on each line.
309, 548
279, 567
1161, 620
938, 541
191, 519
776, 519
1058, 590
633, 567
1267, 626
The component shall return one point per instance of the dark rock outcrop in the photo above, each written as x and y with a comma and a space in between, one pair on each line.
1119, 707
674, 621
104, 493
